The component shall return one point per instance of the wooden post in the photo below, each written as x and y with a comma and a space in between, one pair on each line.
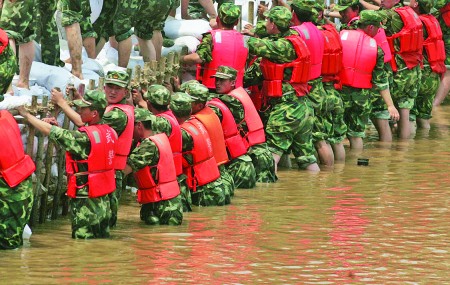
251, 12
169, 68
101, 84
91, 84
161, 70
239, 25
32, 130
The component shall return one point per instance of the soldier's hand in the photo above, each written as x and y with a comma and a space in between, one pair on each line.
74, 91
22, 111
57, 96
248, 30
261, 10
137, 96
393, 112
51, 121
213, 23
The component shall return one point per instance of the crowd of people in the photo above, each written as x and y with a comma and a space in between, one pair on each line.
294, 84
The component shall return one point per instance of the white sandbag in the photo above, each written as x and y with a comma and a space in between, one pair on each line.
96, 8
11, 102
190, 42
174, 28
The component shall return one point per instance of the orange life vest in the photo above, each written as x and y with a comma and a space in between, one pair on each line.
228, 49
166, 186
332, 54
235, 144
4, 41
410, 38
123, 146
445, 14
274, 72
100, 163
175, 140
315, 41
203, 169
433, 44
212, 124
255, 129
15, 165
360, 57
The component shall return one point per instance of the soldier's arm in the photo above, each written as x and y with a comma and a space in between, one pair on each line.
369, 6
203, 53
146, 154
58, 99
40, 125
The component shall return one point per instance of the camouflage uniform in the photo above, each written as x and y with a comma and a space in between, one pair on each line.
196, 10
333, 114
15, 211
289, 118
151, 16
8, 66
445, 30
167, 212
17, 20
406, 81
77, 11
47, 32
116, 19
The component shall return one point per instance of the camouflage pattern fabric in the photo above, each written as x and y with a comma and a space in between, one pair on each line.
90, 217
158, 94
318, 97
242, 171
186, 199
379, 107
227, 182
445, 32
151, 16
357, 106
8, 67
77, 11
211, 194
169, 212
196, 11
263, 162
228, 13
423, 104
17, 20
204, 49
15, 211
334, 118
115, 19
47, 32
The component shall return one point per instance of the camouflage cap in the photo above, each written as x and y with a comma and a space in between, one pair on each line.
260, 29
117, 77
142, 115
344, 4
93, 99
198, 92
225, 72
184, 85
229, 13
370, 17
180, 101
158, 94
425, 6
280, 15
306, 5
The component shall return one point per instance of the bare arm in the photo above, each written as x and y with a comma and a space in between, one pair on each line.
59, 100
191, 58
393, 112
127, 170
184, 10
369, 6
208, 5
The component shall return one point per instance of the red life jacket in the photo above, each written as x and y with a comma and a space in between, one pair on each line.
175, 140
255, 134
235, 144
315, 41
212, 124
228, 49
433, 44
332, 54
4, 41
15, 165
445, 14
167, 186
410, 37
360, 57
204, 167
255, 91
123, 145
274, 72
100, 163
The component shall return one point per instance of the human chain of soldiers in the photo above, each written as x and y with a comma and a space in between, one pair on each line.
307, 88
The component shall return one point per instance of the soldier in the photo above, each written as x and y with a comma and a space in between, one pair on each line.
362, 74
199, 164
7, 63
284, 70
433, 63
223, 46
240, 165
16, 187
89, 165
154, 170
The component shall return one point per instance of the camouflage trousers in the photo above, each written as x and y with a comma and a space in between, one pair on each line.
17, 20
151, 17
317, 95
15, 211
427, 91
47, 32
405, 87
228, 183
263, 163
114, 198
242, 171
186, 198
379, 108
211, 194
333, 114
289, 127
90, 217
168, 212
77, 11
357, 106
196, 11
8, 67
116, 19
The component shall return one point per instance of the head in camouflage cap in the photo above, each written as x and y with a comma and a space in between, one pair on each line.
225, 79
370, 17
143, 120
225, 72
422, 6
142, 115
116, 83
180, 104
305, 11
344, 4
184, 85
260, 29
280, 16
117, 77
158, 95
198, 92
93, 100
348, 9
229, 14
